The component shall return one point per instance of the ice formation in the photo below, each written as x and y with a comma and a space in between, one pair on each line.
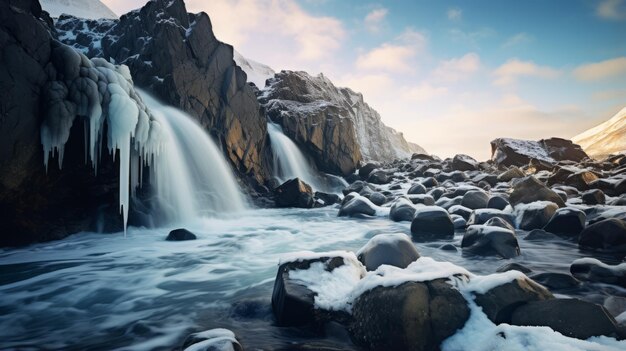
96, 91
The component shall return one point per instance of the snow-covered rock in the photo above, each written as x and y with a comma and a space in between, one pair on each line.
606, 138
257, 72
90, 9
516, 152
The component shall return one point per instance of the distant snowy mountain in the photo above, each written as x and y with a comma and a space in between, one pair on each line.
257, 72
90, 9
606, 138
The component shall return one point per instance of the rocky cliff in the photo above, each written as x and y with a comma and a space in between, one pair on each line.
334, 124
176, 56
605, 139
38, 204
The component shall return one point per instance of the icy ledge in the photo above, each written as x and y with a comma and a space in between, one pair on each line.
96, 91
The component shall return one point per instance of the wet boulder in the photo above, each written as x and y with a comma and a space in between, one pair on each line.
540, 235
475, 199
460, 210
358, 187
556, 281
417, 189
481, 216
429, 182
530, 190
566, 222
571, 317
294, 193
591, 269
510, 174
180, 234
498, 202
593, 197
402, 210
534, 215
326, 199
414, 316
212, 340
378, 176
390, 249
364, 172
431, 223
499, 222
377, 198
357, 206
464, 163
487, 241
293, 302
499, 302
513, 267
421, 199
607, 235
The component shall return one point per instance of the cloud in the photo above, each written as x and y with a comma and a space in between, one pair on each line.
601, 70
374, 19
424, 92
471, 38
367, 84
279, 24
454, 14
457, 68
517, 39
612, 10
513, 69
394, 56
607, 95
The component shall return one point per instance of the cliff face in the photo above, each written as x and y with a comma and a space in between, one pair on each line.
35, 204
176, 56
334, 124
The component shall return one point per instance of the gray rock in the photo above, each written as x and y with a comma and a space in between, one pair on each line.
475, 199
432, 223
567, 222
486, 241
390, 249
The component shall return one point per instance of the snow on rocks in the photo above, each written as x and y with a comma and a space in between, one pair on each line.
218, 339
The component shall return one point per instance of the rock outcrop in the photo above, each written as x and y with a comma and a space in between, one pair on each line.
35, 205
606, 138
515, 152
333, 124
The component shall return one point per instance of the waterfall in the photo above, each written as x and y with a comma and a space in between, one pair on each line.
190, 175
289, 162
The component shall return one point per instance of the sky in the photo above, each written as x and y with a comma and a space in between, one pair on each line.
450, 75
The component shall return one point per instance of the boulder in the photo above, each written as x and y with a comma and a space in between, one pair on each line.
293, 303
460, 211
513, 267
530, 190
540, 235
378, 176
364, 172
499, 302
294, 193
327, 198
421, 199
510, 174
475, 199
390, 249
417, 189
593, 197
429, 182
591, 269
414, 316
357, 206
607, 235
566, 222
571, 317
431, 223
534, 215
180, 234
486, 241
402, 210
515, 152
464, 163
556, 281
212, 340
377, 198
498, 202
499, 222
481, 216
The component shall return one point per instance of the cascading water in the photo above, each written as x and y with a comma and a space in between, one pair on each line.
187, 170
191, 177
289, 162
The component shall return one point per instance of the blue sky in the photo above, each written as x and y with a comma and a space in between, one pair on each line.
450, 75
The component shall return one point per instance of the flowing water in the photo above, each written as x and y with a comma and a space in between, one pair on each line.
191, 176
104, 291
289, 162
